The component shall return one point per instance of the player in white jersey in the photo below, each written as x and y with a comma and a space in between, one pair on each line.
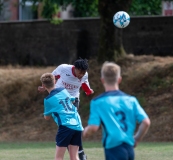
72, 77
66, 76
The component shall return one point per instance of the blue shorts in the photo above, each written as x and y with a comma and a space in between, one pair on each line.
121, 152
66, 136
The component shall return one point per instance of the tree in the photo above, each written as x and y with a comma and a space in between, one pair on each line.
111, 38
110, 45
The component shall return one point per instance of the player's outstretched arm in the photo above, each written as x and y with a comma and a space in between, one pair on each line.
41, 89
142, 130
87, 89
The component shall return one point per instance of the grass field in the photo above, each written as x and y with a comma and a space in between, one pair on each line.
94, 151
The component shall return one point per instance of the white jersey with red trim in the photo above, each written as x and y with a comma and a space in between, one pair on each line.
68, 80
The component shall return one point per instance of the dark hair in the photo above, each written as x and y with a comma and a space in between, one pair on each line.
81, 64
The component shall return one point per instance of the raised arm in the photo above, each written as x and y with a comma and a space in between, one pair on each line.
87, 89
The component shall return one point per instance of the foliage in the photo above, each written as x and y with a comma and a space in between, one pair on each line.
86, 8
89, 8
49, 8
143, 7
83, 8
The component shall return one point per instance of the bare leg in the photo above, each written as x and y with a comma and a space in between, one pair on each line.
73, 152
60, 151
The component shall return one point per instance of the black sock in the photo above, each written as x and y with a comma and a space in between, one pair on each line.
80, 148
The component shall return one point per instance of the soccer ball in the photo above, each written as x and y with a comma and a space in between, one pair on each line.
121, 19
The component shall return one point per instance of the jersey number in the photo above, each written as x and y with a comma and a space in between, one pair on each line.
66, 105
122, 119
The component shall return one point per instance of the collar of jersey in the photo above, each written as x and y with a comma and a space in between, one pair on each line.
53, 92
72, 70
111, 93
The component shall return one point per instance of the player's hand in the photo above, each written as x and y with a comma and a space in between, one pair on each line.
89, 130
41, 89
92, 91
136, 142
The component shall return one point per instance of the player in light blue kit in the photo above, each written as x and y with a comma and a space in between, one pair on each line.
118, 113
58, 104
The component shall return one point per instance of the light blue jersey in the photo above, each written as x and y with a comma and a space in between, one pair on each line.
59, 104
118, 113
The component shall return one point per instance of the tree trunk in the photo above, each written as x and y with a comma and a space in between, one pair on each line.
110, 44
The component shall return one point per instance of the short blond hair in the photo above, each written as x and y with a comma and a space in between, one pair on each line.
110, 72
48, 80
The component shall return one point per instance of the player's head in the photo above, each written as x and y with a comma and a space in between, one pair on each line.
47, 80
110, 73
81, 66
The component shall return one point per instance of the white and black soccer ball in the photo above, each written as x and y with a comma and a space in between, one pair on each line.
121, 19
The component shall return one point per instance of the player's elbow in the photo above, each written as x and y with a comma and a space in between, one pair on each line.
94, 128
146, 122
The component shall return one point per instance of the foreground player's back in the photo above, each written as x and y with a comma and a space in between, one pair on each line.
118, 113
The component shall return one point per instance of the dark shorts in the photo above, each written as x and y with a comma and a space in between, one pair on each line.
66, 136
121, 152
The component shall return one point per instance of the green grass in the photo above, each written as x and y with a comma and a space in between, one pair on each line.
94, 151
